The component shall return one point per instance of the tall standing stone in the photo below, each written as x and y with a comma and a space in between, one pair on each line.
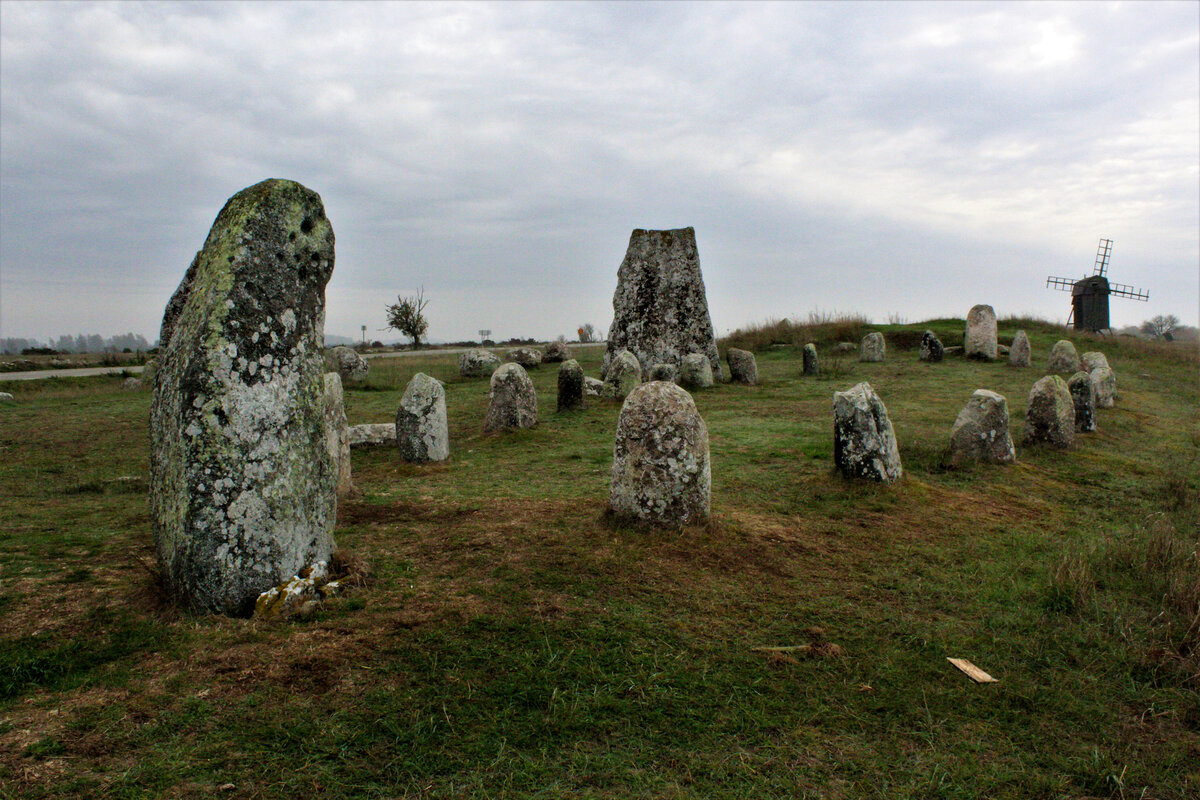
1064, 359
1083, 397
931, 348
864, 444
242, 482
743, 368
979, 337
811, 365
422, 430
660, 310
1050, 416
981, 433
872, 348
1105, 381
337, 432
624, 374
512, 401
570, 386
1019, 354
661, 474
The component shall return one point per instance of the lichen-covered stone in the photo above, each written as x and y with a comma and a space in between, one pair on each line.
348, 363
931, 348
422, 431
1083, 397
1019, 354
872, 347
131, 384
176, 302
1105, 382
570, 386
661, 474
979, 335
695, 372
864, 444
527, 357
664, 372
1093, 360
242, 485
592, 387
556, 353
981, 431
299, 595
623, 375
660, 310
743, 368
812, 366
373, 434
1050, 416
513, 400
337, 432
1064, 359
477, 363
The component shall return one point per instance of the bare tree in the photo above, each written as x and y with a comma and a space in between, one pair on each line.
587, 332
407, 315
1160, 325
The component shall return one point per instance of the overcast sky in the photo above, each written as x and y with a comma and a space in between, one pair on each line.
889, 159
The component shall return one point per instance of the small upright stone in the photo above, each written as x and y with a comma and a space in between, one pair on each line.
1083, 397
864, 444
661, 474
811, 365
931, 347
1050, 417
1019, 355
1105, 382
872, 347
1064, 359
556, 353
664, 372
570, 386
527, 357
624, 374
477, 363
422, 431
979, 336
337, 432
743, 368
695, 372
349, 364
980, 432
1094, 360
513, 400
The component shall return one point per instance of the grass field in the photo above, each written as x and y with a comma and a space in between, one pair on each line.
512, 643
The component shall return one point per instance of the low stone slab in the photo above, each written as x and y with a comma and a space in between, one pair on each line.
932, 350
1083, 397
422, 431
695, 372
864, 444
1064, 359
512, 400
812, 366
981, 431
1019, 354
1050, 416
372, 434
477, 363
743, 368
872, 348
570, 386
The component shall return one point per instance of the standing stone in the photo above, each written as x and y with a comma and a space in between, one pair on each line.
1019, 355
1064, 359
176, 303
980, 432
661, 475
742, 366
1050, 417
864, 444
1093, 360
931, 348
660, 311
527, 357
1105, 382
513, 400
872, 347
1083, 397
337, 432
570, 386
811, 365
556, 353
592, 387
664, 372
624, 374
242, 483
979, 336
422, 432
477, 363
349, 364
695, 372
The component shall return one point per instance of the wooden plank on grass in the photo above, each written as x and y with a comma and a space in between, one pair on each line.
973, 672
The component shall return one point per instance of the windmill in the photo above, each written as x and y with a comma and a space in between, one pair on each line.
1089, 296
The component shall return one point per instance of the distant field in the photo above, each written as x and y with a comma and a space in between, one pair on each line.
513, 643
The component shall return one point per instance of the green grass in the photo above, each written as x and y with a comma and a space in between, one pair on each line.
514, 643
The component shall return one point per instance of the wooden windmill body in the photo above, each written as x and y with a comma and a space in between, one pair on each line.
1089, 295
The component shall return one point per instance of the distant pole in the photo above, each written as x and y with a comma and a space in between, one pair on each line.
364, 330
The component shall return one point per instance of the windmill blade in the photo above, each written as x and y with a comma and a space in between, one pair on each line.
1103, 251
1061, 284
1122, 290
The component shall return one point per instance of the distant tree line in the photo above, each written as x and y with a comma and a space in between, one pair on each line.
80, 343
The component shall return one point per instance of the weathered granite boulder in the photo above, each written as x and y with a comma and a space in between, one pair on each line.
1050, 417
695, 372
131, 384
175, 303
242, 485
556, 353
981, 433
337, 432
931, 348
661, 474
513, 400
624, 374
1064, 359
592, 387
348, 363
298, 596
864, 444
872, 347
527, 357
812, 366
373, 434
477, 363
1019, 355
422, 432
1093, 360
660, 311
664, 372
1083, 397
743, 368
979, 335
570, 386
1105, 382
